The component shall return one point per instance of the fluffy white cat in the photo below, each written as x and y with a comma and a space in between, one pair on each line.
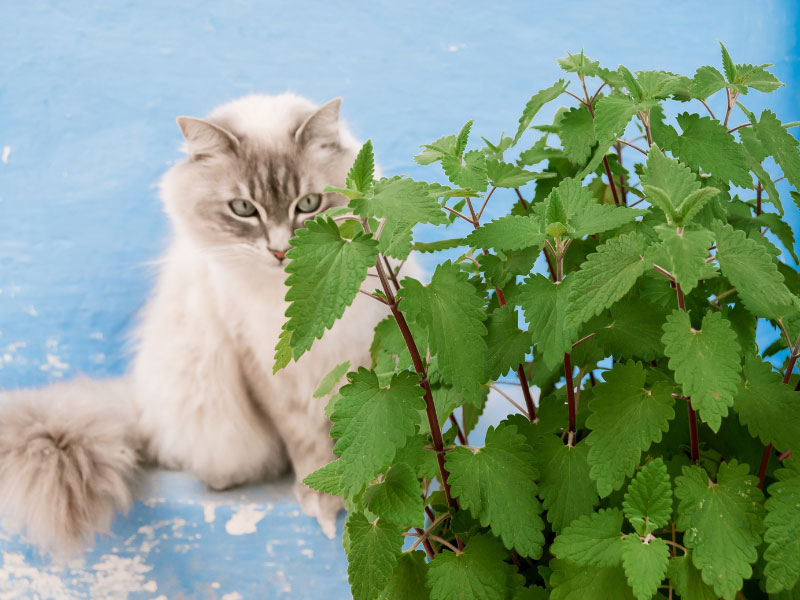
201, 395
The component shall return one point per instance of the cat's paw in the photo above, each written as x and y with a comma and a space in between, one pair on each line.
323, 507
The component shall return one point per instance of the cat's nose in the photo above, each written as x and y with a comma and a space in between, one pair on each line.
279, 254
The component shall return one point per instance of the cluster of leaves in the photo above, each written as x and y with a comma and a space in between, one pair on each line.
658, 461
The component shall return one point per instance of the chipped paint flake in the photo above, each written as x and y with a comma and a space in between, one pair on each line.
244, 520
209, 513
6, 154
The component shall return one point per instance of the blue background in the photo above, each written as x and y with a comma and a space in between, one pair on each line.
89, 93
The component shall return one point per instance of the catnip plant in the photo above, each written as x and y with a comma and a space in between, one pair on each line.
658, 460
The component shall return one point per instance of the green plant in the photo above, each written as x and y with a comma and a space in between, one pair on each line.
658, 461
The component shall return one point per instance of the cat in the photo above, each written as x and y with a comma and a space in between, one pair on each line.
200, 394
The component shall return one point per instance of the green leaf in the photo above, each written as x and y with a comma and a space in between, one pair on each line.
363, 169
325, 273
706, 144
471, 174
489, 482
694, 203
545, 306
593, 540
478, 573
372, 555
507, 344
577, 134
330, 380
635, 331
398, 498
675, 179
573, 582
573, 205
706, 362
439, 245
606, 276
645, 565
687, 250
565, 487
402, 200
327, 479
660, 199
626, 419
611, 117
503, 268
783, 529
408, 581
758, 78
536, 102
687, 580
580, 64
511, 232
660, 85
727, 64
780, 144
444, 146
538, 152
707, 81
506, 175
451, 311
463, 137
768, 407
750, 268
283, 349
648, 501
371, 423
418, 457
723, 523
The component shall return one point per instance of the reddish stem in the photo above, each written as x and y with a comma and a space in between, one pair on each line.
521, 199
693, 431
570, 395
762, 472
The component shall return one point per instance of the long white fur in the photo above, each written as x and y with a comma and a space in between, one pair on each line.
201, 395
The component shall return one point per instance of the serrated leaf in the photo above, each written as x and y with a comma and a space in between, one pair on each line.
593, 540
780, 144
478, 573
660, 199
750, 268
507, 344
674, 178
783, 529
545, 306
444, 146
372, 554
538, 152
687, 580
439, 245
398, 498
408, 581
663, 84
470, 174
687, 249
363, 169
511, 232
326, 479
727, 64
706, 144
503, 268
536, 102
330, 380
645, 565
418, 457
606, 276
580, 64
626, 419
577, 134
507, 175
488, 482
371, 423
402, 200
565, 487
648, 501
611, 117
758, 78
573, 582
706, 362
694, 203
325, 274
463, 137
706, 81
635, 331
768, 407
451, 311
573, 205
723, 523
283, 350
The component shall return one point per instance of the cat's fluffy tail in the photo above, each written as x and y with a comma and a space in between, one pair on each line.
67, 453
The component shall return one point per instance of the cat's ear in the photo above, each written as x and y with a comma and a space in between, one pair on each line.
204, 138
322, 127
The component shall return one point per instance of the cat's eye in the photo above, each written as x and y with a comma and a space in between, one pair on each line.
309, 203
242, 207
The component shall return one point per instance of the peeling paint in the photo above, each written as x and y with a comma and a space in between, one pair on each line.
245, 520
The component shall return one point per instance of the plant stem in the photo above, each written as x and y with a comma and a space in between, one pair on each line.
392, 274
428, 530
462, 439
759, 189
485, 202
570, 397
511, 400
708, 108
693, 439
731, 101
610, 180
740, 127
521, 199
635, 147
419, 367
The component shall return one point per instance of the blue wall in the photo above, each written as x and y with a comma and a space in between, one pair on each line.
89, 94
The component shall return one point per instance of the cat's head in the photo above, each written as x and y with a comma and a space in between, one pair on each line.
255, 171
